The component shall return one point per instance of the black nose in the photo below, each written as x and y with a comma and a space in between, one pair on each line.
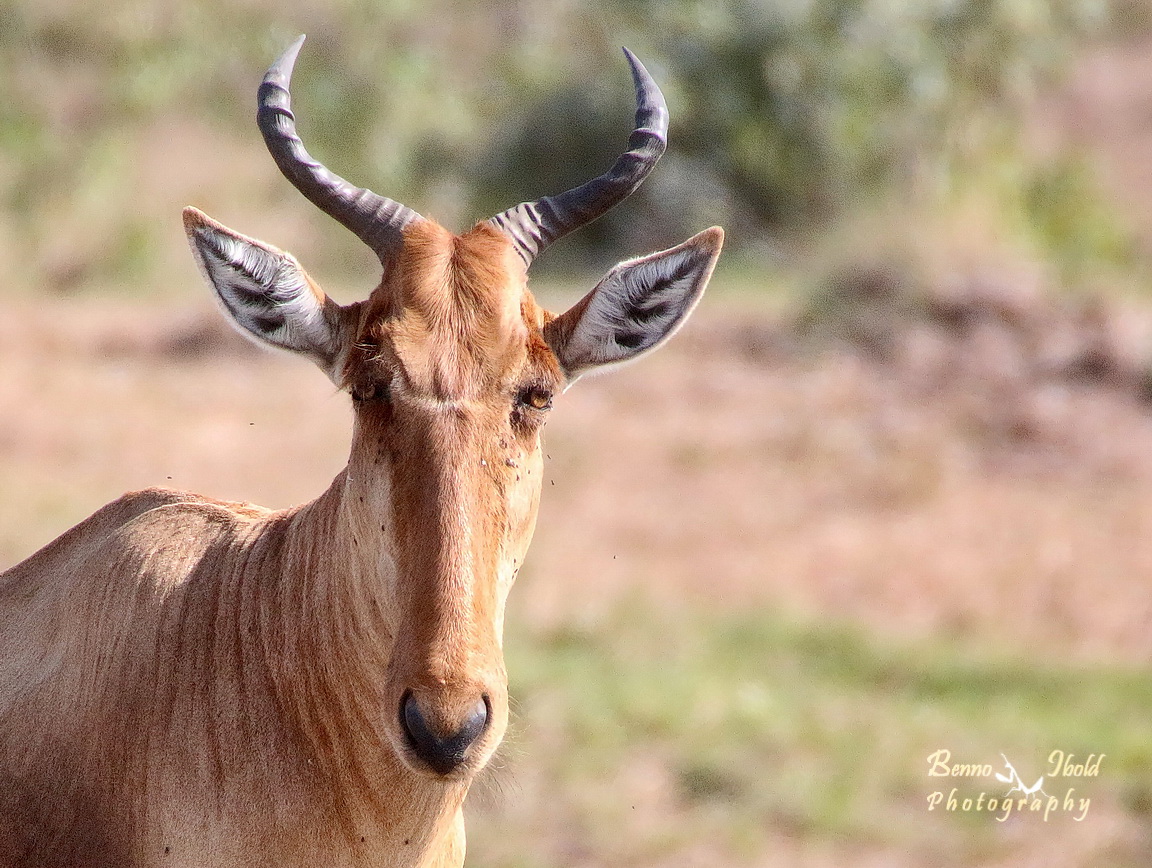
441, 752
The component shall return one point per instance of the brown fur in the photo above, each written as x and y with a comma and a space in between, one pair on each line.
451, 309
190, 682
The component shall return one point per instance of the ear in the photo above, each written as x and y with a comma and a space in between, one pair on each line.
636, 307
265, 292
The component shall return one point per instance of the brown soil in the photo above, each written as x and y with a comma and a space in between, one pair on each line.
980, 466
973, 463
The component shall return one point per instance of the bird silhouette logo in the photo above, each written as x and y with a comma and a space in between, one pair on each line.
1018, 785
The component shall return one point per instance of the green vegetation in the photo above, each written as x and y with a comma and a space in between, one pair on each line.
741, 730
789, 118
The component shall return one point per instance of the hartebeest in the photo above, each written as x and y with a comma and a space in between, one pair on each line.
190, 682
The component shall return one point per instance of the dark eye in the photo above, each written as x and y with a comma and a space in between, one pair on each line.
536, 397
376, 390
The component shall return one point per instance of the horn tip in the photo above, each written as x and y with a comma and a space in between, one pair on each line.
281, 70
634, 62
648, 93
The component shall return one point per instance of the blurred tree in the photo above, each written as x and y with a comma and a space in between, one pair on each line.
788, 112
785, 113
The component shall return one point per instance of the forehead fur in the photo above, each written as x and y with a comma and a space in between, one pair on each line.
451, 308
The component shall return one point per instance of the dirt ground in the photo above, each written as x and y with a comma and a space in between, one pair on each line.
983, 472
982, 469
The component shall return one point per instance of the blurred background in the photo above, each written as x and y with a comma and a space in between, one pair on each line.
889, 492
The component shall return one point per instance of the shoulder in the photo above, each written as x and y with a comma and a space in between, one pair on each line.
167, 502
163, 519
145, 522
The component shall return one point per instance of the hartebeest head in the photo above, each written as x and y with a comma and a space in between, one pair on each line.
452, 368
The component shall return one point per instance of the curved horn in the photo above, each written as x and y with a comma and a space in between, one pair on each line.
532, 226
376, 220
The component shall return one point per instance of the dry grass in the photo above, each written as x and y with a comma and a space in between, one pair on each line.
968, 495
102, 398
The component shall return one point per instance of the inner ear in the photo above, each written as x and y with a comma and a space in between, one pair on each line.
265, 291
636, 307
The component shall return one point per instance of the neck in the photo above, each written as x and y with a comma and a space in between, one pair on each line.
333, 661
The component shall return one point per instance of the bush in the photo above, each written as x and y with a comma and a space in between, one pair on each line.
785, 114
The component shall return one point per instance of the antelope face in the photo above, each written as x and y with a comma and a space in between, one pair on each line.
452, 385
452, 368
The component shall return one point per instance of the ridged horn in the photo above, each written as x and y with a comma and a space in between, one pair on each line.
376, 220
532, 226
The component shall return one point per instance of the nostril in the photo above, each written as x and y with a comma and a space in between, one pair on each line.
442, 751
476, 721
